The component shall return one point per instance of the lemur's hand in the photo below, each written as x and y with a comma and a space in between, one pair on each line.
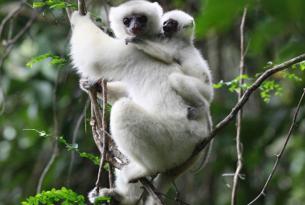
135, 39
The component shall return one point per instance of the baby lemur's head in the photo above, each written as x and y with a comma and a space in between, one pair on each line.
137, 18
178, 24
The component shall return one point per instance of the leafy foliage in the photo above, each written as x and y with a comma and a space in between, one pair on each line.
270, 86
102, 200
233, 85
55, 60
74, 147
33, 98
54, 4
62, 196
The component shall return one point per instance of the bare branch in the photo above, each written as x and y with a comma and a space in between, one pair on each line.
239, 117
22, 31
9, 16
151, 190
74, 136
105, 138
55, 141
9, 44
279, 155
82, 7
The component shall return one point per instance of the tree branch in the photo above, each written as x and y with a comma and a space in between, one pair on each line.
279, 156
22, 31
82, 7
239, 117
10, 43
9, 16
245, 97
151, 190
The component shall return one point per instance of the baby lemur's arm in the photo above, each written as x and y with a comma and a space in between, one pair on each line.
155, 49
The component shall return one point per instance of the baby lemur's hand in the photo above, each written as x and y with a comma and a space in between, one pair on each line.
133, 40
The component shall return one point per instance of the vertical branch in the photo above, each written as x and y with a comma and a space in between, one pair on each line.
105, 138
108, 141
280, 154
239, 115
82, 7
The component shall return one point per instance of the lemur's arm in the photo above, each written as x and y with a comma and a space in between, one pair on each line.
155, 49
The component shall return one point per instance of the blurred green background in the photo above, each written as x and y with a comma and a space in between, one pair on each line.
47, 98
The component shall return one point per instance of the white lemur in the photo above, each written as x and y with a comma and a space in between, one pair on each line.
151, 128
194, 84
176, 45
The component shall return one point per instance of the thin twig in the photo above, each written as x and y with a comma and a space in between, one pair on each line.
55, 141
22, 31
69, 10
74, 136
9, 16
9, 44
239, 116
280, 154
151, 190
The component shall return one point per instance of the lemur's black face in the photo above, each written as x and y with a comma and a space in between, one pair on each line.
170, 27
135, 24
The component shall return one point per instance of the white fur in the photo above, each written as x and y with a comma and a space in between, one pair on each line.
151, 128
186, 25
153, 12
195, 83
115, 91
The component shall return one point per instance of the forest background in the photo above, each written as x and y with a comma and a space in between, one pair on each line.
40, 98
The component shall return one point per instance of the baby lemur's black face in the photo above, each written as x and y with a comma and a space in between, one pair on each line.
135, 24
170, 27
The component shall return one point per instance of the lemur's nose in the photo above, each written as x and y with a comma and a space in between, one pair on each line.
136, 28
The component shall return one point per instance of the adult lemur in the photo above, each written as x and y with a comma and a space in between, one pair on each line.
194, 84
151, 128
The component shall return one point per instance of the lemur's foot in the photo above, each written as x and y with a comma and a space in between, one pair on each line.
103, 192
85, 84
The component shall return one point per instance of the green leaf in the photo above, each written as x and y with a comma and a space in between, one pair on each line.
63, 195
102, 199
38, 4
55, 60
41, 133
61, 5
268, 87
74, 147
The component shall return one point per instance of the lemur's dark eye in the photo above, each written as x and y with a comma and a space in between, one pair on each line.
142, 19
126, 21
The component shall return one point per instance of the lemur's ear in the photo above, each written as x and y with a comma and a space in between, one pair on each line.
158, 7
